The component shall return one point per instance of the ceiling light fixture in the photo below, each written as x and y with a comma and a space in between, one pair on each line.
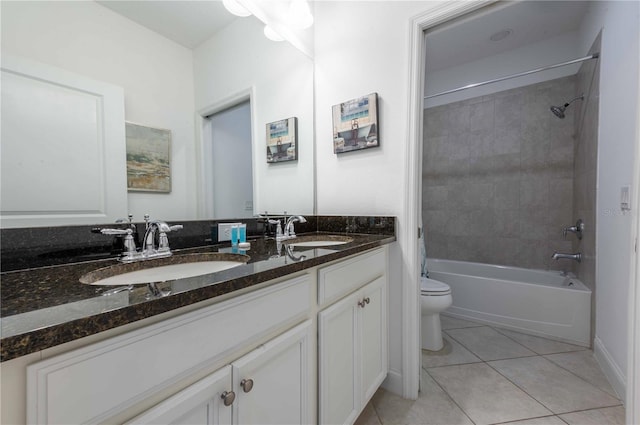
271, 34
501, 35
299, 15
235, 8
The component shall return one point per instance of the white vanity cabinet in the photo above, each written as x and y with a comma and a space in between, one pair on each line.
298, 350
352, 338
269, 385
201, 403
103, 380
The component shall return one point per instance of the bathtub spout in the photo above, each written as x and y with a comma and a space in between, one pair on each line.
576, 257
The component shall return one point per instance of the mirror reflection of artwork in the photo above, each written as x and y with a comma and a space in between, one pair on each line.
355, 124
282, 140
148, 158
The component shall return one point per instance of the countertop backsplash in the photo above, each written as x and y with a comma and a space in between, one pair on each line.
44, 304
24, 248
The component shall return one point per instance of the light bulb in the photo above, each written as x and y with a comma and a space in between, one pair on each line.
235, 8
271, 34
299, 15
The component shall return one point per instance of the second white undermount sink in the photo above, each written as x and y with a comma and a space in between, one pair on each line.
161, 270
319, 243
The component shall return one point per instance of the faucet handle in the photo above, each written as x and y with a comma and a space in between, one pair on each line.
577, 229
129, 243
163, 240
115, 231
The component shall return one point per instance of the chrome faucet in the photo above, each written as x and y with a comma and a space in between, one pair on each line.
575, 257
149, 250
289, 231
161, 228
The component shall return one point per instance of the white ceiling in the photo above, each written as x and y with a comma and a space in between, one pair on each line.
467, 39
188, 23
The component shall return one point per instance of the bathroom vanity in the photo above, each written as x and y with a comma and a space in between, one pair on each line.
293, 338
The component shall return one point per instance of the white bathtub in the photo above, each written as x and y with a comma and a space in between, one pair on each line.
537, 302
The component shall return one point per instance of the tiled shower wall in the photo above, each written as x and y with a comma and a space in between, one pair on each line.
498, 177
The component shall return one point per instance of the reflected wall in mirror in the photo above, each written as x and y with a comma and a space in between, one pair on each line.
166, 85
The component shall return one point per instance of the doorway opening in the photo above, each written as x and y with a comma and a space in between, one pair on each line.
228, 158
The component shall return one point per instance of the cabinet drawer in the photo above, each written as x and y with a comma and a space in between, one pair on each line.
340, 279
115, 374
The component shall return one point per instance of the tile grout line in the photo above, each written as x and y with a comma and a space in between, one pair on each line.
528, 419
590, 409
549, 360
373, 406
580, 377
520, 388
514, 383
546, 339
449, 395
509, 380
486, 363
492, 360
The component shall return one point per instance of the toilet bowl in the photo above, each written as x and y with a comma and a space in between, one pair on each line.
435, 297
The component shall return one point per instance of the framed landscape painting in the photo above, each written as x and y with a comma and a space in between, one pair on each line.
355, 124
148, 158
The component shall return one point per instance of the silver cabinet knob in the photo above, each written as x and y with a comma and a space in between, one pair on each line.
364, 302
228, 397
247, 385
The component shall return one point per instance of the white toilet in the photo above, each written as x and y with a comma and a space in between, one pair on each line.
435, 297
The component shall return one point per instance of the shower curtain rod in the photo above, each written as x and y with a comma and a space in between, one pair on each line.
470, 86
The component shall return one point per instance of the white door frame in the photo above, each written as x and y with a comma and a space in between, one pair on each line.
411, 358
632, 403
413, 171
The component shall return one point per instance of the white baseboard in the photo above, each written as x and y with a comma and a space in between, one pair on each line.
610, 369
393, 382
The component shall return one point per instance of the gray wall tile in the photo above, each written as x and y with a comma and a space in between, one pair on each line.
498, 176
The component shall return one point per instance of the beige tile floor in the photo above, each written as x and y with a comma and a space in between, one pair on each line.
488, 375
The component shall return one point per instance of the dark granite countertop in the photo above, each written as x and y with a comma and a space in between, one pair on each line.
47, 306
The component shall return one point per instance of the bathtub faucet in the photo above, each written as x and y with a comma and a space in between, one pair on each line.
576, 257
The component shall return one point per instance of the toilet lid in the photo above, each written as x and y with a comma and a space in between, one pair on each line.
433, 286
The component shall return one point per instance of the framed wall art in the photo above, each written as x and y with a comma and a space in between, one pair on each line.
282, 140
355, 124
148, 158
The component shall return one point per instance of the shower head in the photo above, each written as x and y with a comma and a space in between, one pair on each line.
558, 111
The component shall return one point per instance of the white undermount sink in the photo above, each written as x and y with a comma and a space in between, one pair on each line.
163, 269
310, 244
317, 241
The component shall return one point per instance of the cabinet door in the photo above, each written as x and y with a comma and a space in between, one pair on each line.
338, 363
200, 403
373, 337
273, 381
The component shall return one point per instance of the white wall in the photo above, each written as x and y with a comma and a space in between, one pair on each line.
282, 79
155, 73
547, 52
619, 112
360, 48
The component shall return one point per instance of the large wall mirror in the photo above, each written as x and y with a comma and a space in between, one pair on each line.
172, 77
